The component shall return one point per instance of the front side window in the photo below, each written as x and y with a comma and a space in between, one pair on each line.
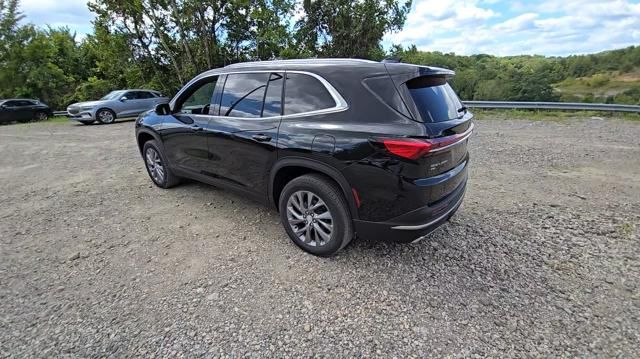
243, 95
131, 95
305, 93
144, 95
113, 95
197, 99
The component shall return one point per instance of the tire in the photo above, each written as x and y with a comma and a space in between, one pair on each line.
41, 116
105, 116
294, 199
167, 179
87, 122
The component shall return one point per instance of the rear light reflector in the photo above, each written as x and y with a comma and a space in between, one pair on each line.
414, 148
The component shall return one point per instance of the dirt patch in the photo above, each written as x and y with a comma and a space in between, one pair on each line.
541, 260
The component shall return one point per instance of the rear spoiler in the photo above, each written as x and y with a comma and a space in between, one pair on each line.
401, 73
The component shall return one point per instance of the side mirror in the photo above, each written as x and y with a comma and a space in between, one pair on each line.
123, 98
163, 109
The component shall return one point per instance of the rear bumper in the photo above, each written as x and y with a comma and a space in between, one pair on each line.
413, 226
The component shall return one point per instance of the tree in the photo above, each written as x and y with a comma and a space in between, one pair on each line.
349, 28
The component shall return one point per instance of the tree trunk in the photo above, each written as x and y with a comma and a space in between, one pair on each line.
174, 62
183, 38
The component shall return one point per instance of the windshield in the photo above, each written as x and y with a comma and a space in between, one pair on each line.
435, 99
113, 95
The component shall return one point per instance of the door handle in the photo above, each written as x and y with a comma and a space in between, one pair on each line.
197, 128
261, 138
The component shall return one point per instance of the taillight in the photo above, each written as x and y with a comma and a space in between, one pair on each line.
407, 147
414, 148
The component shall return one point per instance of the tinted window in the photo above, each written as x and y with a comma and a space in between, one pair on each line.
435, 99
273, 98
132, 95
198, 97
113, 95
144, 94
304, 93
243, 95
11, 103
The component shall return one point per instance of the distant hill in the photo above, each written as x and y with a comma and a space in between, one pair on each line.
610, 76
611, 86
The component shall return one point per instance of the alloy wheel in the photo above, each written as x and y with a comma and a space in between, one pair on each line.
154, 164
309, 218
105, 116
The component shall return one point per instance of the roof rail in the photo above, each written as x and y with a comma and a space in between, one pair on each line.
298, 62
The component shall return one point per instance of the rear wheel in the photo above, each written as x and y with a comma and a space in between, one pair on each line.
41, 116
315, 215
105, 116
157, 167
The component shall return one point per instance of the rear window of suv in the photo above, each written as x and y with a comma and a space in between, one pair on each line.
304, 93
435, 99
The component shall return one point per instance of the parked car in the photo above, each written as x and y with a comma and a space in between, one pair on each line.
340, 147
116, 104
23, 110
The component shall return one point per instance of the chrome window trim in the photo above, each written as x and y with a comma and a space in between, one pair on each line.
340, 103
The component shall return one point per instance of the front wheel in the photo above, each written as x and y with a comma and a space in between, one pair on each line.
157, 167
315, 215
106, 116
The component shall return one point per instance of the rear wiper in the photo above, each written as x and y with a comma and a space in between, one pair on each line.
462, 109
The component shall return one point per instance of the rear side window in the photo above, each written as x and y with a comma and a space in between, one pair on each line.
243, 95
305, 93
435, 99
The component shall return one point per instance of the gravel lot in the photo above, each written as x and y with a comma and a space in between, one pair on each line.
543, 259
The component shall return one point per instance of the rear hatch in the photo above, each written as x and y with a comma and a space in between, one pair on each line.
440, 157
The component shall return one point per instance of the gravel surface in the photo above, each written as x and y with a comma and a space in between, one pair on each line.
541, 260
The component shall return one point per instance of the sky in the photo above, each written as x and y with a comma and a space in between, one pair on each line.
497, 27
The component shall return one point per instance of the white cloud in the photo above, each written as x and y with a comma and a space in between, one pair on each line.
547, 27
429, 18
71, 13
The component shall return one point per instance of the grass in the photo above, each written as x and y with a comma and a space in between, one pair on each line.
59, 119
55, 119
627, 229
599, 85
548, 115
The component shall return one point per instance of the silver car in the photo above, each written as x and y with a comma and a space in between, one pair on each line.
116, 104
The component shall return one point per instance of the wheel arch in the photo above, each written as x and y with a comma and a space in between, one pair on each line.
143, 136
289, 168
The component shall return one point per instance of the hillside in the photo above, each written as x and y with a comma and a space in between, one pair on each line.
599, 87
611, 76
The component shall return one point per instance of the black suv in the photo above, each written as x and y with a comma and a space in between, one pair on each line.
23, 110
340, 147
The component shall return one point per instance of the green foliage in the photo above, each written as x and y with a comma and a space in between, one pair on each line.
162, 44
535, 78
346, 28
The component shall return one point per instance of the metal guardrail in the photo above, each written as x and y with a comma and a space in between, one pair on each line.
606, 107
